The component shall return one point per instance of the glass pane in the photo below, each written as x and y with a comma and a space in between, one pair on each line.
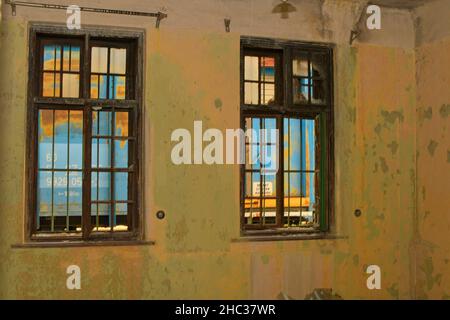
66, 58
101, 153
58, 59
94, 86
104, 156
100, 217
99, 60
105, 123
48, 84
300, 90
61, 139
251, 68
49, 58
117, 87
60, 195
75, 59
267, 69
44, 195
76, 140
121, 124
308, 203
121, 153
57, 85
251, 93
75, 200
45, 139
319, 65
104, 186
102, 87
118, 61
308, 145
120, 217
318, 92
300, 65
292, 144
121, 186
71, 85
267, 94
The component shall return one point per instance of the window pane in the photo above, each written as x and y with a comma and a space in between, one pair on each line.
121, 154
120, 217
49, 58
292, 144
61, 139
251, 93
318, 92
319, 63
251, 68
308, 145
120, 186
44, 200
267, 69
100, 217
66, 58
71, 83
99, 60
101, 153
48, 84
104, 186
300, 90
75, 200
117, 87
75, 59
45, 139
118, 61
60, 200
121, 124
267, 93
300, 65
76, 140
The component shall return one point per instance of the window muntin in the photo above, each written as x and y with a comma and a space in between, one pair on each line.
85, 168
60, 71
296, 198
108, 72
260, 79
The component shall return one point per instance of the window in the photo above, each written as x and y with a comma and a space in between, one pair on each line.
84, 135
286, 87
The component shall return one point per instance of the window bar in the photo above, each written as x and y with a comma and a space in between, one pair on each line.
289, 174
263, 176
68, 171
113, 174
61, 72
309, 77
52, 223
301, 173
97, 222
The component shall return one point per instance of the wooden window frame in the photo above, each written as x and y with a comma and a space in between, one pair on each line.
285, 108
35, 101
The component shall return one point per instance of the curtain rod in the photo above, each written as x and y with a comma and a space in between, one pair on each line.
158, 15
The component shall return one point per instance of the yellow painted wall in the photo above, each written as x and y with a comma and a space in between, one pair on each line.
188, 72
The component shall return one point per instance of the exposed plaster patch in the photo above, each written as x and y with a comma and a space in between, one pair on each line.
392, 116
218, 103
445, 110
384, 166
393, 146
432, 147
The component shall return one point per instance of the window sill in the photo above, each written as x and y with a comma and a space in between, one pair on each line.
260, 237
78, 244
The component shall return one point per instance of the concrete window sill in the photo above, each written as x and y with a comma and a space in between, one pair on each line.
288, 237
77, 244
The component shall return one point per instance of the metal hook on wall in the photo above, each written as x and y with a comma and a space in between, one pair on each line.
227, 24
